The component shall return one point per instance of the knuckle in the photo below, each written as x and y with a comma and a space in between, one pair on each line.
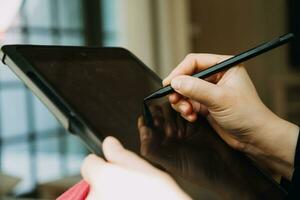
190, 56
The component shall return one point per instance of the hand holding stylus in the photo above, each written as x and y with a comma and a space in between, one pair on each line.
231, 104
233, 108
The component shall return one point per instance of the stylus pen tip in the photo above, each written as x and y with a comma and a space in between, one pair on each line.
160, 93
151, 96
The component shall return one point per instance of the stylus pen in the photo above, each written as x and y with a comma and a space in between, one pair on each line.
229, 63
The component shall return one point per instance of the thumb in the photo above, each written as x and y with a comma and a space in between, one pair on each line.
115, 153
197, 89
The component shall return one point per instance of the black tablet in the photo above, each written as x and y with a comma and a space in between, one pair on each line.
96, 92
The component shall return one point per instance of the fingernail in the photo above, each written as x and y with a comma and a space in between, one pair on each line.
164, 82
182, 108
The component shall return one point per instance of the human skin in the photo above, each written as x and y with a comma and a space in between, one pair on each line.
1, 36
125, 175
233, 108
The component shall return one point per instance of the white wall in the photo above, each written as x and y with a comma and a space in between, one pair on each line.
160, 41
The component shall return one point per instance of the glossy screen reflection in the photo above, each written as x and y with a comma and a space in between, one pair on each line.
106, 87
198, 159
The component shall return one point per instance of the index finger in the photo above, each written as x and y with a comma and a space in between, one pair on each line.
193, 63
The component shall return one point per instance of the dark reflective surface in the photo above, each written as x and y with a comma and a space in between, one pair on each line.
106, 87
199, 160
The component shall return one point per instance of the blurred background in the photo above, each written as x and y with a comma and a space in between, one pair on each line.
38, 159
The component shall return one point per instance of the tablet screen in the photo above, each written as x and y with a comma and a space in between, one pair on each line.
106, 88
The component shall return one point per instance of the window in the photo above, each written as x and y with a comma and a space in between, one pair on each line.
33, 145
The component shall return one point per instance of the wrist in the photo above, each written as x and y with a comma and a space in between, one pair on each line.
273, 146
